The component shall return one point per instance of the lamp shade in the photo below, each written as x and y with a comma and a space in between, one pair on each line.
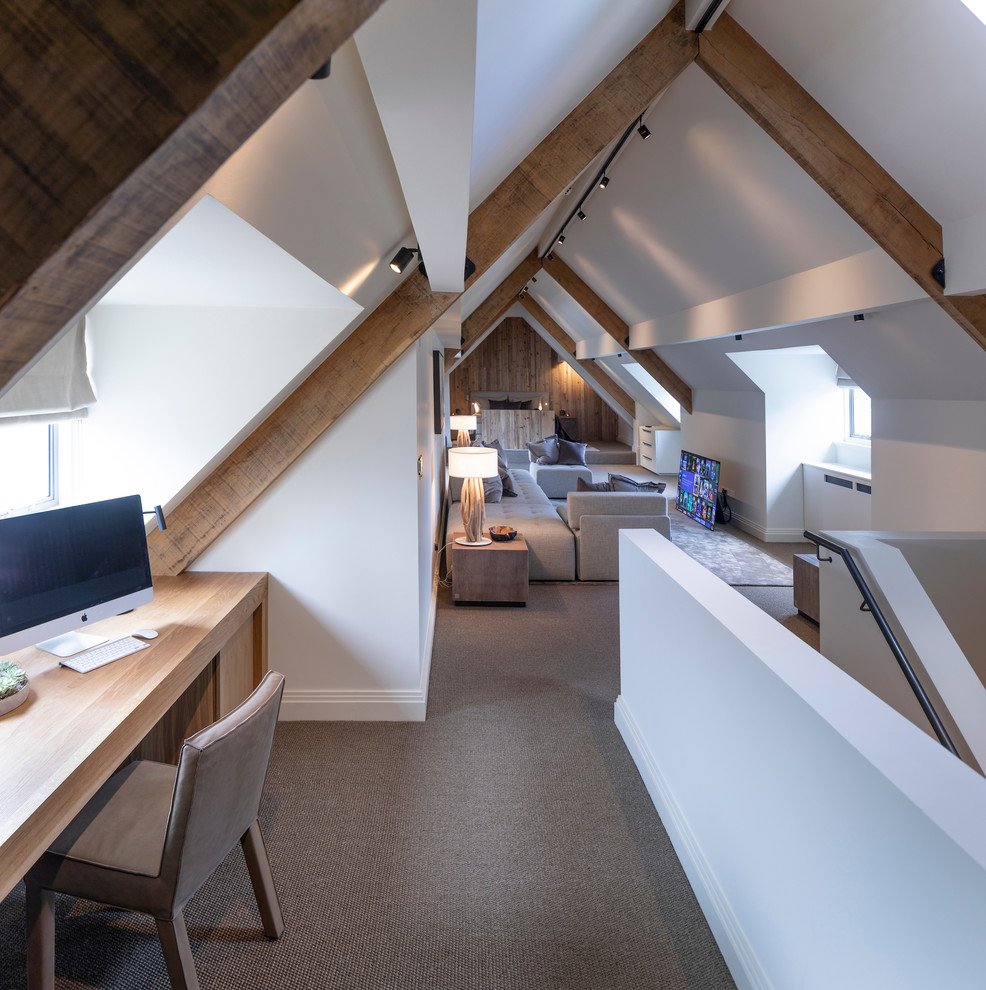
472, 462
462, 423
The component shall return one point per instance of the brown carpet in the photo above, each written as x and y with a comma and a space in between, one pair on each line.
507, 842
779, 604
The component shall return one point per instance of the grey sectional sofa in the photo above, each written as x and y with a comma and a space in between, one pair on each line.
550, 543
596, 518
578, 539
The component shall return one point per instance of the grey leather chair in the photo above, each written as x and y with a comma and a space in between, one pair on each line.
154, 833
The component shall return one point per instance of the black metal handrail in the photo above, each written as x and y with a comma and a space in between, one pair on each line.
923, 700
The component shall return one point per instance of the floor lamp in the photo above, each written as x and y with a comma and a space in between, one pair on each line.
472, 464
463, 424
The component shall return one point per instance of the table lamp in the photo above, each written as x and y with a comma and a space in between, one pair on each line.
472, 464
463, 424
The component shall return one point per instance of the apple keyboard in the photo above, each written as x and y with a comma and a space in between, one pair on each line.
104, 653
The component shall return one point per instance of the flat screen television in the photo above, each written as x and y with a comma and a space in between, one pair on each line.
67, 568
698, 488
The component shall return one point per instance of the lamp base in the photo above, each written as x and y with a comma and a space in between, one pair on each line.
481, 542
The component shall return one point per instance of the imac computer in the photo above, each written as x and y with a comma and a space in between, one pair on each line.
64, 569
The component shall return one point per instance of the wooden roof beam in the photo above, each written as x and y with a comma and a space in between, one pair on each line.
588, 369
114, 115
598, 120
836, 161
246, 472
617, 328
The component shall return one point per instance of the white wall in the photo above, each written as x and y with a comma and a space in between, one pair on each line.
803, 415
730, 427
829, 841
929, 464
339, 535
346, 534
176, 384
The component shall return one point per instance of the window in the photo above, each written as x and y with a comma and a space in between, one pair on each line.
28, 478
857, 414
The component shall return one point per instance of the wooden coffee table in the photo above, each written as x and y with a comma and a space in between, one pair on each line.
496, 573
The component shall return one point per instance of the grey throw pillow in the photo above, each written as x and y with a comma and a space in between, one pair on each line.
571, 452
492, 489
507, 482
544, 451
620, 483
592, 486
501, 457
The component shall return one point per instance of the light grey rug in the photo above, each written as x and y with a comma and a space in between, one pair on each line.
730, 557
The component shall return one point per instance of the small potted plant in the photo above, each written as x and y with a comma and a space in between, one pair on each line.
13, 686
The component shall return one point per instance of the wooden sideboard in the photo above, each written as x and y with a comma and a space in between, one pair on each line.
513, 427
75, 730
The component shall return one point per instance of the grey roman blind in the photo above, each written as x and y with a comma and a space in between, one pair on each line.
56, 387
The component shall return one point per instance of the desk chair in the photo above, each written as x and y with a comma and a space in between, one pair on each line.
154, 833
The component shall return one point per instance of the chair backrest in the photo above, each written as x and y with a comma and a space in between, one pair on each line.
221, 772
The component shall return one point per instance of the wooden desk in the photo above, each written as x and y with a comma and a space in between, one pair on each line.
75, 730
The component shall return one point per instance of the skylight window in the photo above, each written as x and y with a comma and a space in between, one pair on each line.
858, 415
978, 7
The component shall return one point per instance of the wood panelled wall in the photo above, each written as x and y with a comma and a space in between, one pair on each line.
514, 358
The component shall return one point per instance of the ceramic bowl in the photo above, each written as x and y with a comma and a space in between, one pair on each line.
501, 534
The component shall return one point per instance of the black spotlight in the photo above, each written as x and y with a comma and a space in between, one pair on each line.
604, 182
580, 215
323, 71
643, 131
561, 238
858, 318
402, 259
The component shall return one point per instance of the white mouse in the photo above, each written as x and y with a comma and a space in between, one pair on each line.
145, 633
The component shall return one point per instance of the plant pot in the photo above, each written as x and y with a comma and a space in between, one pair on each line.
12, 701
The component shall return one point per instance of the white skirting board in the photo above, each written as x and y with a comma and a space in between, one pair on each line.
353, 706
368, 705
768, 535
742, 961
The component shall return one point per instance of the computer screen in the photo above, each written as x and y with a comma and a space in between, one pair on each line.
66, 568
698, 488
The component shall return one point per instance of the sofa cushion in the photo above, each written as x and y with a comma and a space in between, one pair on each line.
492, 489
544, 451
571, 452
621, 483
613, 504
501, 460
593, 486
557, 480
501, 457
